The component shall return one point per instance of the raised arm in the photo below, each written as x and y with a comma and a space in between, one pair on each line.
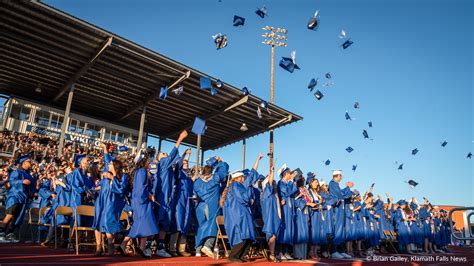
255, 165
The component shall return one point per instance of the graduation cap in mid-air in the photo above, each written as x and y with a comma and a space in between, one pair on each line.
205, 84
354, 167
220, 40
412, 183
366, 135
313, 83
219, 84
319, 95
444, 143
327, 162
163, 93
238, 21
328, 75
348, 116
199, 126
313, 23
261, 12
356, 105
289, 63
370, 124
245, 91
469, 155
347, 43
343, 34
400, 167
178, 90
414, 152
349, 149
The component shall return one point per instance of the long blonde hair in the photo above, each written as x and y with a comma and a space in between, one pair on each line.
224, 193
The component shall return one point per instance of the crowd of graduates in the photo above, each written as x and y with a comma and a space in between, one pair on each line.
303, 216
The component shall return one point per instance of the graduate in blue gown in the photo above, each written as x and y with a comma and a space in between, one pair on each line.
425, 219
183, 206
236, 207
416, 226
22, 186
402, 227
316, 214
287, 192
359, 225
163, 184
81, 187
328, 223
303, 204
339, 215
45, 193
207, 189
109, 205
271, 212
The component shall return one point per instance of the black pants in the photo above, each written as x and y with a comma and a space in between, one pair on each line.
240, 250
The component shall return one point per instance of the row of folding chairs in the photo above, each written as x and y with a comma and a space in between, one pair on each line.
81, 211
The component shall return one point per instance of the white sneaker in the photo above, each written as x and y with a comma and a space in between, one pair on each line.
162, 253
288, 257
207, 251
346, 256
337, 255
148, 252
198, 253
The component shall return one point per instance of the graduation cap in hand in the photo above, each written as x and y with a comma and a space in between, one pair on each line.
220, 40
414, 152
349, 149
354, 167
347, 116
412, 183
238, 21
313, 23
289, 63
261, 12
319, 95
313, 83
444, 143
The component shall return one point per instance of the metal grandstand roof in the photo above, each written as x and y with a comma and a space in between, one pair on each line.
115, 78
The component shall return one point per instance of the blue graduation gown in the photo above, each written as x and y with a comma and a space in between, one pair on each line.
270, 204
109, 205
359, 232
163, 183
338, 211
207, 207
238, 220
425, 216
349, 226
286, 192
145, 223
301, 222
79, 183
63, 198
382, 221
184, 207
328, 223
19, 193
374, 237
45, 194
401, 225
316, 222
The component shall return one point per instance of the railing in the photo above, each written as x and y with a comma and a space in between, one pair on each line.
468, 225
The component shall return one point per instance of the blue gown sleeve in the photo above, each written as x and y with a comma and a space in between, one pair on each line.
119, 187
172, 158
140, 191
222, 169
107, 159
300, 203
15, 179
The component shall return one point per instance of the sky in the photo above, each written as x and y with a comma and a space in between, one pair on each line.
410, 67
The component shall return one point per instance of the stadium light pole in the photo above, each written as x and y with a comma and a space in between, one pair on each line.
275, 37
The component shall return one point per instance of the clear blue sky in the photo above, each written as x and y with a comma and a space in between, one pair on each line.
410, 68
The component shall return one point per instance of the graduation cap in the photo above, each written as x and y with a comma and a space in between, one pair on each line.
349, 149
178, 90
327, 162
238, 21
298, 172
282, 170
347, 43
366, 135
163, 93
22, 158
289, 63
78, 159
123, 148
400, 167
370, 124
444, 143
354, 167
328, 84
259, 112
219, 84
469, 155
313, 83
220, 40
199, 126
328, 75
213, 91
245, 91
343, 34
205, 84
414, 152
347, 116
313, 23
261, 12
356, 105
319, 95
212, 162
412, 183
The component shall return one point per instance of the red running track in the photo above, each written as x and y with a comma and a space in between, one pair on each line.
29, 254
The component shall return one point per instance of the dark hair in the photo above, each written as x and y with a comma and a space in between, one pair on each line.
118, 166
140, 164
206, 170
